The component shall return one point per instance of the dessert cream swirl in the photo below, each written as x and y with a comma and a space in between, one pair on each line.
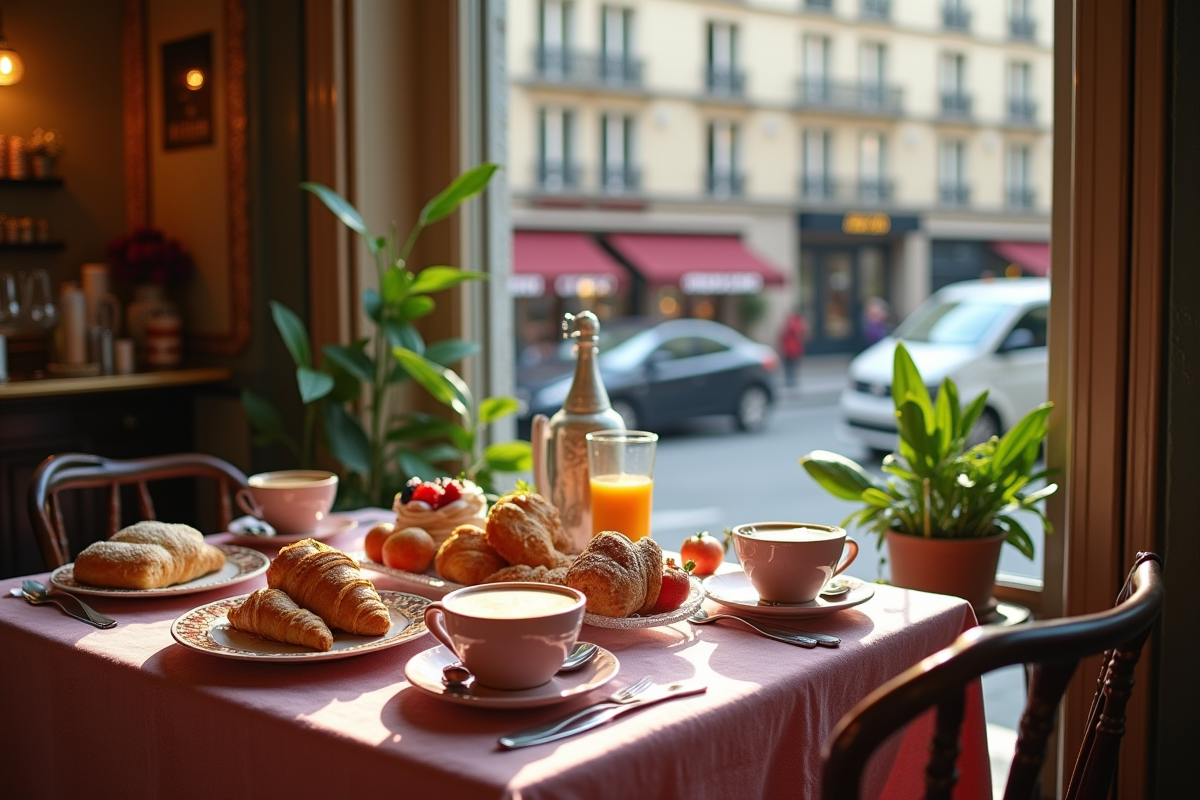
470, 509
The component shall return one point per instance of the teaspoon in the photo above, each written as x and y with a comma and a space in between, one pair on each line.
456, 675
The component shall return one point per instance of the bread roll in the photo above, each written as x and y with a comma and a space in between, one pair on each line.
148, 555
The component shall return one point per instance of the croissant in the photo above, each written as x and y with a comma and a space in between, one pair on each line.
271, 613
466, 557
148, 555
618, 576
525, 528
328, 583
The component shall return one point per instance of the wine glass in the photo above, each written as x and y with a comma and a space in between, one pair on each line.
39, 306
10, 303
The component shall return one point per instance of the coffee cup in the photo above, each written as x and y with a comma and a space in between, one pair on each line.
790, 562
293, 501
509, 635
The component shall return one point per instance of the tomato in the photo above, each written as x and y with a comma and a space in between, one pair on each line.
707, 551
373, 544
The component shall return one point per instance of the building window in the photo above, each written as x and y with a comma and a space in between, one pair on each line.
1021, 25
556, 167
1021, 108
952, 169
555, 25
1020, 190
956, 102
724, 174
617, 64
722, 75
816, 70
819, 5
955, 15
873, 183
618, 168
817, 182
872, 74
875, 9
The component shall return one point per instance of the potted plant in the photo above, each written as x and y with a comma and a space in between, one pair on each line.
946, 507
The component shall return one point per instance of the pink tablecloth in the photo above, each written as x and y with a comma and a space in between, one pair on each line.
127, 713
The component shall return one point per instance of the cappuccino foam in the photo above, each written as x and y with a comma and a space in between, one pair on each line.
793, 534
511, 604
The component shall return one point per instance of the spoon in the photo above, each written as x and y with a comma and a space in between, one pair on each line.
456, 675
836, 588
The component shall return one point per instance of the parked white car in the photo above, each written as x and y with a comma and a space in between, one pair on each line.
982, 334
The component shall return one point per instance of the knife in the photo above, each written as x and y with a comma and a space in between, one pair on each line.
594, 717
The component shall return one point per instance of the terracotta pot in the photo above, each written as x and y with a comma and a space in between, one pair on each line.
964, 568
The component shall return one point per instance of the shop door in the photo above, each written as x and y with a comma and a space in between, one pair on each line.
835, 284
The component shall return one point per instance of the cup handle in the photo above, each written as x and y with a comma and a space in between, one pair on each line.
246, 503
853, 545
435, 614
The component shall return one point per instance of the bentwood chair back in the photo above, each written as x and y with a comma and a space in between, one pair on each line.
68, 471
1051, 650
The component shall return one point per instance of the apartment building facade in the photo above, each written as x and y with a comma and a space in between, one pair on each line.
735, 160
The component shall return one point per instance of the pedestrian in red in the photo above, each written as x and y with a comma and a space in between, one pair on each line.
791, 345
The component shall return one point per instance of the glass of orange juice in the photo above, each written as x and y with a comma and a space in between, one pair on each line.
621, 466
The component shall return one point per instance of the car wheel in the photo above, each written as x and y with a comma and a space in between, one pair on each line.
987, 426
627, 412
752, 408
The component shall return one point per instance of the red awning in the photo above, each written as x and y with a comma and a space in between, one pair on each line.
696, 264
1033, 257
563, 263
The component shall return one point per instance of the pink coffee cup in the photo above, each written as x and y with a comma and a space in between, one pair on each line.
509, 635
790, 562
293, 501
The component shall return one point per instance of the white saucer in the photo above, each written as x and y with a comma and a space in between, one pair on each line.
328, 527
424, 673
733, 589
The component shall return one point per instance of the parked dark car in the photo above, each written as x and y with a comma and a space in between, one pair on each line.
657, 376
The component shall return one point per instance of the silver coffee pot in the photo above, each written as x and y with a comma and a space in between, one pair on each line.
560, 463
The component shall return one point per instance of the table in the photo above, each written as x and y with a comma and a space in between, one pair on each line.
128, 713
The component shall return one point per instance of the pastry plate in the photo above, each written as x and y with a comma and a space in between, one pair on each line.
206, 629
241, 564
733, 589
330, 526
424, 673
414, 581
694, 599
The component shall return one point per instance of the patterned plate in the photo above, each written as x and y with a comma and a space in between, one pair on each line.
207, 630
424, 582
694, 599
241, 564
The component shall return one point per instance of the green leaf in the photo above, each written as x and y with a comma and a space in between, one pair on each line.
442, 452
352, 359
342, 209
313, 385
907, 383
395, 284
416, 467
450, 351
945, 413
435, 279
291, 330
1018, 537
262, 415
432, 377
1040, 494
465, 186
401, 334
1030, 430
878, 498
346, 387
346, 439
515, 456
838, 475
494, 408
971, 415
910, 420
373, 304
416, 306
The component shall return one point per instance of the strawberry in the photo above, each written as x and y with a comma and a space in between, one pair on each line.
675, 586
451, 491
429, 493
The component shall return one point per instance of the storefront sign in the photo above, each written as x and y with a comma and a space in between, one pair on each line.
721, 283
522, 285
857, 224
584, 285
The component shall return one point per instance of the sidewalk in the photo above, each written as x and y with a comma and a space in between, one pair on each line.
820, 381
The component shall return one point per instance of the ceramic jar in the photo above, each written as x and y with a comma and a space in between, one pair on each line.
148, 299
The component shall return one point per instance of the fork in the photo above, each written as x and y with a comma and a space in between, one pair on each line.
621, 698
37, 594
786, 635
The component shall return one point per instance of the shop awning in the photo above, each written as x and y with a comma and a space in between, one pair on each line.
563, 263
696, 264
1033, 257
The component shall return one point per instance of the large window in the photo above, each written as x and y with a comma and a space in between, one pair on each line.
1021, 107
818, 183
556, 166
618, 168
555, 31
724, 175
952, 169
722, 73
873, 183
1020, 190
956, 101
617, 63
816, 69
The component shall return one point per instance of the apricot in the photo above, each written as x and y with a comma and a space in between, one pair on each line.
409, 549
373, 544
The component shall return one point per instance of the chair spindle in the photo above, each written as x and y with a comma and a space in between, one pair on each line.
1047, 683
942, 772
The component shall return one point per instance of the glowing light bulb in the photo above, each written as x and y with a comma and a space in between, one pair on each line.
194, 79
11, 66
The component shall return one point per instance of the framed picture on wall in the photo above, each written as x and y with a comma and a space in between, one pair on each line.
187, 101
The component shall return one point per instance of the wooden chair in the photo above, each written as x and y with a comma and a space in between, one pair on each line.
80, 471
1051, 650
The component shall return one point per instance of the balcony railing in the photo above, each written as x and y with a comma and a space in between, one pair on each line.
1021, 197
724, 81
874, 190
1022, 28
955, 194
819, 187
819, 5
875, 9
956, 104
571, 66
956, 18
621, 179
724, 183
1022, 110
553, 176
860, 98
